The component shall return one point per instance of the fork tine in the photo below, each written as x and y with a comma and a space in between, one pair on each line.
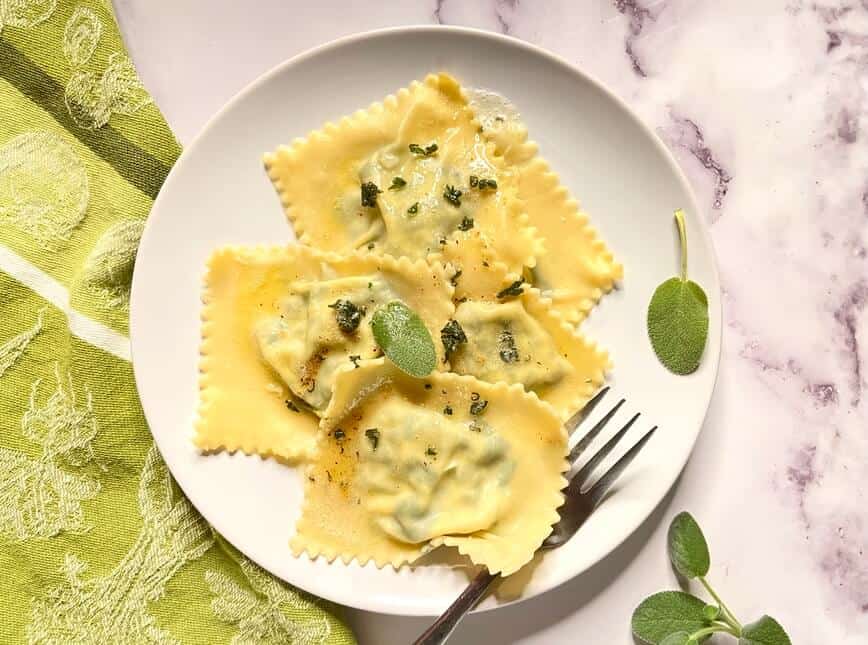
585, 441
575, 420
596, 492
581, 477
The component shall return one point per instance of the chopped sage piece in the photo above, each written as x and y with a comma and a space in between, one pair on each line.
507, 348
452, 195
373, 436
347, 315
452, 335
369, 194
515, 289
482, 184
466, 224
478, 407
427, 151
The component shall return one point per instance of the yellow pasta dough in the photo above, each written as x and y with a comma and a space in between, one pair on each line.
523, 340
476, 271
406, 464
401, 178
273, 342
577, 267
411, 200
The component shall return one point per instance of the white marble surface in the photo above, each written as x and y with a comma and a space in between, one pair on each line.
765, 104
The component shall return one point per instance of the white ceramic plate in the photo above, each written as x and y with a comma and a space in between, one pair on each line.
218, 193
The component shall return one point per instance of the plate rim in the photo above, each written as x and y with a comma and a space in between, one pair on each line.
712, 353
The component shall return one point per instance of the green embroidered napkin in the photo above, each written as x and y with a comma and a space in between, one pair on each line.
97, 544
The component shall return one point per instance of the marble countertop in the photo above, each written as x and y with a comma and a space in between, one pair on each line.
765, 105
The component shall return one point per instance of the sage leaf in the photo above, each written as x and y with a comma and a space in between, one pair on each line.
404, 339
765, 631
688, 549
667, 613
712, 612
678, 638
678, 316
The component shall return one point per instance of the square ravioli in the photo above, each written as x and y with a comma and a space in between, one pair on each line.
404, 465
503, 330
402, 177
279, 323
522, 340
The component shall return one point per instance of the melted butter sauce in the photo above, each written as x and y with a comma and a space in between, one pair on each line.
494, 111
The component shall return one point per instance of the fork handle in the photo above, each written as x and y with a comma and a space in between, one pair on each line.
441, 628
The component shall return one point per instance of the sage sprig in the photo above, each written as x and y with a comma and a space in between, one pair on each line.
681, 618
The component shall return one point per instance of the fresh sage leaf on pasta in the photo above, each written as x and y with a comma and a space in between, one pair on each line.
681, 618
404, 339
678, 316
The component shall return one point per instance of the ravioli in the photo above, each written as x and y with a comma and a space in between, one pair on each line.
273, 340
523, 340
577, 267
402, 178
408, 464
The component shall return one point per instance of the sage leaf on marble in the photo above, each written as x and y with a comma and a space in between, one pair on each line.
667, 613
679, 617
765, 631
404, 339
678, 316
688, 550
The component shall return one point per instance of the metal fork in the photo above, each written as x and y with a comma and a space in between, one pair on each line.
579, 503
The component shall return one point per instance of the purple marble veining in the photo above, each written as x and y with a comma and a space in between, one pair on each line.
502, 11
638, 16
847, 317
685, 133
848, 126
793, 259
801, 473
